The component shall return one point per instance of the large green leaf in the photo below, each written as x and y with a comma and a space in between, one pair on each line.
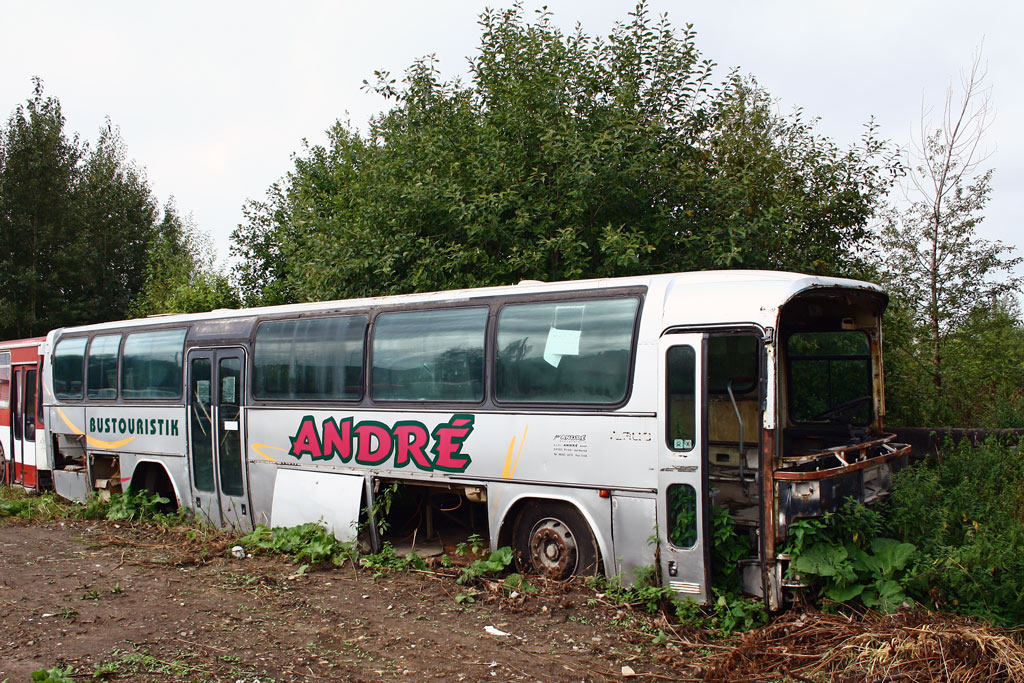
821, 559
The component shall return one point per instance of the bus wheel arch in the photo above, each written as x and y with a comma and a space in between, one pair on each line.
153, 477
551, 538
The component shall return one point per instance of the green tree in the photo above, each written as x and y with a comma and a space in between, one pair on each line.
180, 275
37, 216
564, 156
76, 223
939, 270
984, 359
116, 221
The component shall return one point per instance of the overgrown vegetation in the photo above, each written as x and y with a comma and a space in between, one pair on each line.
951, 538
15, 502
309, 541
126, 506
965, 514
847, 558
729, 609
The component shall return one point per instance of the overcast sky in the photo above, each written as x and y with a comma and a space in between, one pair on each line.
213, 98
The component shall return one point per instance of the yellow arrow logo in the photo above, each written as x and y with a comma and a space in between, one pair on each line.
95, 443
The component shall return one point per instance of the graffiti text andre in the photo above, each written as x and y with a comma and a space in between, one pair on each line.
374, 443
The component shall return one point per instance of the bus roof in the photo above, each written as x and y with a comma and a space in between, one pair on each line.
22, 343
709, 297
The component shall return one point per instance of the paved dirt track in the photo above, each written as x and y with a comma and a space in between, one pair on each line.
144, 603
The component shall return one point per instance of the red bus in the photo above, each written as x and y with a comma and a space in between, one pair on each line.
21, 411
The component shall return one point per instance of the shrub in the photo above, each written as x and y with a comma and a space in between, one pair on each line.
950, 537
965, 513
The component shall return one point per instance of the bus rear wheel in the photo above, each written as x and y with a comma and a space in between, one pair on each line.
554, 540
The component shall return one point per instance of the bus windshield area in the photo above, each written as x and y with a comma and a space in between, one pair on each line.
830, 378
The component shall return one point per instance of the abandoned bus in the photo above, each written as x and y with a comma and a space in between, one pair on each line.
590, 425
20, 410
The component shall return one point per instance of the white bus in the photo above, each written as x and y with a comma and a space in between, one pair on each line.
590, 425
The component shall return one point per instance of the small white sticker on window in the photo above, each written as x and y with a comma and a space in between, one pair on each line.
561, 343
683, 444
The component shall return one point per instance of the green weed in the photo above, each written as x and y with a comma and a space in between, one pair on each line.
465, 598
727, 549
309, 541
471, 546
644, 594
54, 675
388, 560
95, 507
135, 505
495, 563
140, 662
382, 502
105, 669
517, 582
16, 502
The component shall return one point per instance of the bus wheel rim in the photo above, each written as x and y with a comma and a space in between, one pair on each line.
553, 549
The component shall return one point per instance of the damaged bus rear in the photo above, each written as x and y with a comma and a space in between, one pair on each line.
784, 410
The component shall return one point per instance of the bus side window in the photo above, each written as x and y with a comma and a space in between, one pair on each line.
69, 368
30, 405
5, 381
151, 364
682, 515
682, 398
566, 352
101, 367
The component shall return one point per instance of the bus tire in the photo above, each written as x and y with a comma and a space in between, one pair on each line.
553, 539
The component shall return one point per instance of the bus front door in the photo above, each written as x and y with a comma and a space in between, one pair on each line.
216, 437
682, 500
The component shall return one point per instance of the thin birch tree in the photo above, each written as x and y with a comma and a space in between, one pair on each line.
934, 260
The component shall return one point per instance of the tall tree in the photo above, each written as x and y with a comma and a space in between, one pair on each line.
935, 262
78, 227
179, 269
565, 156
117, 216
37, 215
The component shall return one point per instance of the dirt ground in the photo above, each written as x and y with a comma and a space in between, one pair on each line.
140, 602
147, 604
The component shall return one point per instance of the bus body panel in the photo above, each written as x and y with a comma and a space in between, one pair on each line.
599, 451
174, 466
